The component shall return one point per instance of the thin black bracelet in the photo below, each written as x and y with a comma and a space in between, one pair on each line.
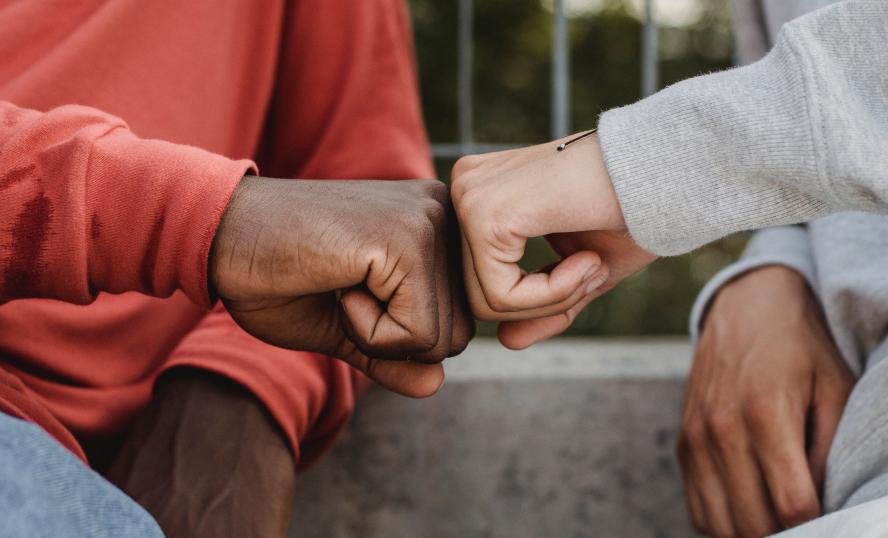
562, 147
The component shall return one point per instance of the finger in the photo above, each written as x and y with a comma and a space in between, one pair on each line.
525, 333
712, 494
507, 289
463, 329
744, 485
463, 323
777, 428
314, 323
695, 508
409, 379
483, 311
407, 326
443, 288
696, 511
829, 400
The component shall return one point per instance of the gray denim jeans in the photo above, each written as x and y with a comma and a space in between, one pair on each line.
45, 491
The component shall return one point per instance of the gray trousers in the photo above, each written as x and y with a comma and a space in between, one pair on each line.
45, 491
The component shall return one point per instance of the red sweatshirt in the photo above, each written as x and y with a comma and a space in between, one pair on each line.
124, 127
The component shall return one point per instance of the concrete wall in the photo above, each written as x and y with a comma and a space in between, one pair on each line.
571, 438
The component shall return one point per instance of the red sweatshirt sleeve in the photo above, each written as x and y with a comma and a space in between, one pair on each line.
89, 207
346, 106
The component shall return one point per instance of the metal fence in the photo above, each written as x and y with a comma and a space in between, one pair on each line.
560, 123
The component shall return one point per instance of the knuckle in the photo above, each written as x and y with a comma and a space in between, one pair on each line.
692, 437
461, 342
435, 356
437, 190
460, 346
436, 212
468, 204
795, 509
422, 229
425, 341
462, 166
759, 407
498, 304
722, 424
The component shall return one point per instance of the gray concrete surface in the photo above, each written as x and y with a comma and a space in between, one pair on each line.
571, 438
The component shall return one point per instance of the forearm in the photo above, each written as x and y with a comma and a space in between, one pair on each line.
206, 459
90, 207
797, 135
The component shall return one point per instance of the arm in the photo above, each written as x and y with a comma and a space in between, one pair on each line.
196, 425
786, 246
89, 207
797, 135
352, 119
764, 397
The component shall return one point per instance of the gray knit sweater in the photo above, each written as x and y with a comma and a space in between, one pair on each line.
801, 134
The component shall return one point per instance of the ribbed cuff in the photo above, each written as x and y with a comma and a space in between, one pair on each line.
716, 155
156, 213
788, 246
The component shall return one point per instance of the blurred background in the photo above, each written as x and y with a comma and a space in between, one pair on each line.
510, 72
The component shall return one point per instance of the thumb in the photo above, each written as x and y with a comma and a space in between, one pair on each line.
520, 334
411, 379
366, 322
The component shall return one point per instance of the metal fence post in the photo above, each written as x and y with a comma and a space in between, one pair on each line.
649, 53
560, 72
465, 75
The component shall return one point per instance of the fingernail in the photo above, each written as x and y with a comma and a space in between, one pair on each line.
594, 284
591, 272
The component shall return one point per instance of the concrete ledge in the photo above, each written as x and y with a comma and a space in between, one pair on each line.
572, 358
570, 438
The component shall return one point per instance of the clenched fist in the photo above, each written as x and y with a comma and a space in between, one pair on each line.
360, 270
503, 199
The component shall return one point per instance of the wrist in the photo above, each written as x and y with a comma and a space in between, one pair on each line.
236, 245
592, 187
611, 211
765, 276
758, 291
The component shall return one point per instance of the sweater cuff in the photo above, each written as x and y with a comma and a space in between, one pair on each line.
716, 155
787, 246
156, 215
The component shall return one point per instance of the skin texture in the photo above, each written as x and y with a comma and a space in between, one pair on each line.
359, 270
503, 199
205, 459
765, 394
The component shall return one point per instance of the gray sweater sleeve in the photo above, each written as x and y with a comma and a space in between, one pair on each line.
788, 246
800, 134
